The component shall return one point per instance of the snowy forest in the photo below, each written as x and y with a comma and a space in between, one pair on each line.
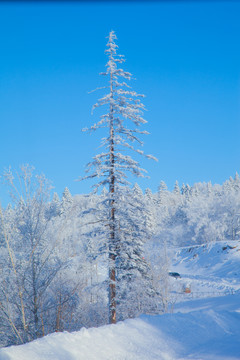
53, 253
89, 260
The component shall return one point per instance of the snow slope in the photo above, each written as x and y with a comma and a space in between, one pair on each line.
206, 327
208, 270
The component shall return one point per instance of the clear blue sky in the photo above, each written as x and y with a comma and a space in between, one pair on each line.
185, 57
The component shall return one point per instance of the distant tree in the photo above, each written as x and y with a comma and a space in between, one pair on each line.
67, 201
113, 165
54, 207
183, 189
162, 193
209, 188
149, 195
162, 186
176, 189
237, 182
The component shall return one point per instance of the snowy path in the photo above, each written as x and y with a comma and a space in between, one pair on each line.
209, 270
210, 284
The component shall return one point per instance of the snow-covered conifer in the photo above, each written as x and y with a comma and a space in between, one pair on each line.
54, 206
162, 193
183, 189
149, 195
104, 192
186, 191
209, 188
137, 190
162, 186
122, 119
134, 286
67, 200
236, 182
176, 189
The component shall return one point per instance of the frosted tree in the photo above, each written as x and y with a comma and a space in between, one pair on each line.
149, 195
113, 165
30, 261
54, 207
209, 189
176, 189
162, 193
135, 292
67, 201
149, 205
236, 182
187, 192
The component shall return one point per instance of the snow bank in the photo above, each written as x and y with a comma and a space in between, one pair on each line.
206, 329
132, 339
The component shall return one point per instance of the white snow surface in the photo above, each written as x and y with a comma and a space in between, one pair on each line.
206, 328
209, 270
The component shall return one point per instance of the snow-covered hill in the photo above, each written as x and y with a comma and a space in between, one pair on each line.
206, 327
208, 270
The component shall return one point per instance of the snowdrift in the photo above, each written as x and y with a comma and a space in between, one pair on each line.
206, 329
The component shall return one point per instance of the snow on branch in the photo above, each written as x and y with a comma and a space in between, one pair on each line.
121, 104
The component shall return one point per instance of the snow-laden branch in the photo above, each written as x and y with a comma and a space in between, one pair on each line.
122, 104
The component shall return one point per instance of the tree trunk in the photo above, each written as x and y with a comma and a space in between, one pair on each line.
35, 298
112, 240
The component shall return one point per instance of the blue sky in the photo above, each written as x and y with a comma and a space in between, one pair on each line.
185, 57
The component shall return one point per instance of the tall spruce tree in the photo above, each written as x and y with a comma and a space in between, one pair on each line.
113, 165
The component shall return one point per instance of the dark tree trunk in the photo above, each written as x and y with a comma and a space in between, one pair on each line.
112, 240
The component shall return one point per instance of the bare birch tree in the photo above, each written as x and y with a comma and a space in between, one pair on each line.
31, 262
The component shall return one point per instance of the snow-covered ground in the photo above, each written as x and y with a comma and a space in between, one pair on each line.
205, 327
208, 270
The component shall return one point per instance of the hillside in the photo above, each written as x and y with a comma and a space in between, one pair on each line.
205, 327
208, 270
